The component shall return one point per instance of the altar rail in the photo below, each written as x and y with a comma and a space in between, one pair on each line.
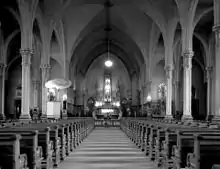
107, 123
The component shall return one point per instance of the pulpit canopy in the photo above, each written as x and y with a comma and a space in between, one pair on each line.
58, 84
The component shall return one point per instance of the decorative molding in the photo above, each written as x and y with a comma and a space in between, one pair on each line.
26, 56
209, 72
187, 59
216, 29
45, 66
169, 71
2, 68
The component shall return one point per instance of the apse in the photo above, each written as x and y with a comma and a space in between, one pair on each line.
94, 80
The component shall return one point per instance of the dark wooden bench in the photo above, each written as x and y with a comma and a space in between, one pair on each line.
54, 143
28, 146
46, 144
10, 155
206, 151
185, 145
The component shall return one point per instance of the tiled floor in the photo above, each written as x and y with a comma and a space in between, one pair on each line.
107, 148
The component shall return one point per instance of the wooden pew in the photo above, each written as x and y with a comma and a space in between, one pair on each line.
166, 149
54, 139
185, 144
64, 133
216, 166
46, 144
59, 138
28, 145
206, 151
10, 155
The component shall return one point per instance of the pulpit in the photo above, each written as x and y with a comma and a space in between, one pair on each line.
53, 110
55, 107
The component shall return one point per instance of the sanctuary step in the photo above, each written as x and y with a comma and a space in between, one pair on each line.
107, 148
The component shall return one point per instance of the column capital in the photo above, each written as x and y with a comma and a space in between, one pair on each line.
2, 68
45, 66
187, 59
208, 72
216, 28
26, 56
169, 69
188, 54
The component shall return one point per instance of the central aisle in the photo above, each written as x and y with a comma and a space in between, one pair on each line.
107, 148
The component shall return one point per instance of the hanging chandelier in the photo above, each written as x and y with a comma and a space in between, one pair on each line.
108, 62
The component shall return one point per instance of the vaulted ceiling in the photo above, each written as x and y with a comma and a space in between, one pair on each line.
132, 21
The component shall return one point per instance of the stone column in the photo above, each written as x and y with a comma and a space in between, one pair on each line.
216, 83
209, 80
169, 73
2, 90
187, 91
45, 71
177, 95
216, 29
36, 85
25, 100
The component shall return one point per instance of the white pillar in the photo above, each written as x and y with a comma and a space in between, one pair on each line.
45, 75
217, 70
25, 101
216, 29
187, 93
169, 73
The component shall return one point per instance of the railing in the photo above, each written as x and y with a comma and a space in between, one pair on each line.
107, 123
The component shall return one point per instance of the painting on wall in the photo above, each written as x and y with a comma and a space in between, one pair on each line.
162, 91
18, 91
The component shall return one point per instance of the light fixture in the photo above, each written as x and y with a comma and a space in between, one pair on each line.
148, 98
64, 97
108, 62
118, 104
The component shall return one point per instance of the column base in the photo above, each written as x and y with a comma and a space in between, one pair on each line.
168, 117
187, 118
2, 116
43, 117
215, 119
25, 118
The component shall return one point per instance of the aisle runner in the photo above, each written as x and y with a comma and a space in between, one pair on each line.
107, 148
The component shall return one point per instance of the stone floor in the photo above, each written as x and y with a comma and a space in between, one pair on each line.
107, 148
